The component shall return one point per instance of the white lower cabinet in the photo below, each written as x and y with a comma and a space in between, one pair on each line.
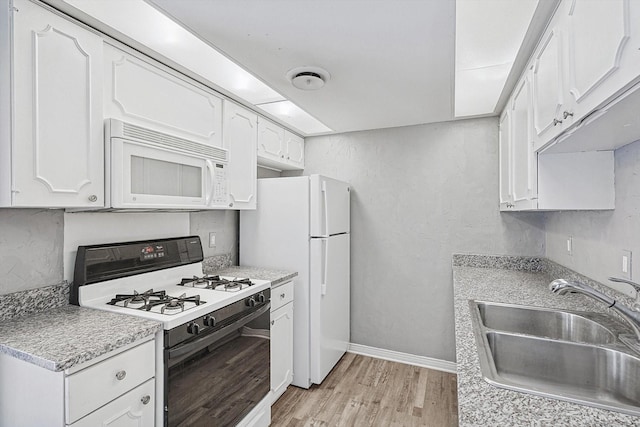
281, 339
115, 389
132, 409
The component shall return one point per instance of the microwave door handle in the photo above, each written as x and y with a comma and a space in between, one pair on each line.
210, 181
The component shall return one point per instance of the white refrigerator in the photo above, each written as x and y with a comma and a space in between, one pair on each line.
302, 224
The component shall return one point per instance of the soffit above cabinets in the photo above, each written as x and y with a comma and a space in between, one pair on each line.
391, 62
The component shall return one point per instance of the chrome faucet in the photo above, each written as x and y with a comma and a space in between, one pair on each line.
635, 286
632, 317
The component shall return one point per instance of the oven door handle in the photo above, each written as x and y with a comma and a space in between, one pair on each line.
209, 339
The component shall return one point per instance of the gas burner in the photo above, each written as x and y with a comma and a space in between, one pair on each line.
203, 282
157, 302
216, 283
232, 286
137, 299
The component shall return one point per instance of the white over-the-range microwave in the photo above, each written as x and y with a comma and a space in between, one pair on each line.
146, 169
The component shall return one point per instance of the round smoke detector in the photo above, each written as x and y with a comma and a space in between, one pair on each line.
308, 78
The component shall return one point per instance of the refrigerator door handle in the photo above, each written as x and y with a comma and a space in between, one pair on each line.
325, 198
325, 259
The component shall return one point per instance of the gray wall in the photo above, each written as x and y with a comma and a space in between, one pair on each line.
30, 248
599, 236
419, 194
224, 224
32, 241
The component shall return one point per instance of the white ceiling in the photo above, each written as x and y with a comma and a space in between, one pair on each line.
391, 61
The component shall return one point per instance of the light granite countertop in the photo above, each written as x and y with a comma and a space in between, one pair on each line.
60, 338
481, 404
276, 277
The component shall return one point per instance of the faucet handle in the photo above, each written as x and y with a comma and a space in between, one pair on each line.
636, 287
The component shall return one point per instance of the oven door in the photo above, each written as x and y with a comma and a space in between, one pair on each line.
218, 378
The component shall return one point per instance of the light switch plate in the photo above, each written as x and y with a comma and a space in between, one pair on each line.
625, 267
212, 240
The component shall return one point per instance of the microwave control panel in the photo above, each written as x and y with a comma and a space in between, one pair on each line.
220, 191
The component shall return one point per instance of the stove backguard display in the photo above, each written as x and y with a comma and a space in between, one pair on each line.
98, 263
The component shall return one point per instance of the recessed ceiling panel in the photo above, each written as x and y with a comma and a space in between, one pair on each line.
391, 61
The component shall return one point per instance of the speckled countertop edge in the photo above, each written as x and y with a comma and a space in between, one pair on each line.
276, 277
63, 337
491, 278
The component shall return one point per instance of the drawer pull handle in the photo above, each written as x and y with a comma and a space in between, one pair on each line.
282, 296
121, 374
145, 399
273, 322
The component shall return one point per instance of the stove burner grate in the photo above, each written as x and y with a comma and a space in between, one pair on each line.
150, 299
137, 298
216, 283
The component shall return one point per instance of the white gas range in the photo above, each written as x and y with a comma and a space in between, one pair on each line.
207, 320
161, 297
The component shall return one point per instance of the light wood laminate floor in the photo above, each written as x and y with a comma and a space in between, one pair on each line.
363, 391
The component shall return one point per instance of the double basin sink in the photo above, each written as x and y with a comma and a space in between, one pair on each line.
561, 354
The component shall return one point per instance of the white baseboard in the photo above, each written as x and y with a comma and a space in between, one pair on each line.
409, 359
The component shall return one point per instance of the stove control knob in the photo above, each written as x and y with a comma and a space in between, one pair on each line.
260, 297
251, 302
209, 321
193, 328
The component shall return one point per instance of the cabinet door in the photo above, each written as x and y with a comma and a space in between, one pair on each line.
601, 58
144, 94
270, 140
505, 161
240, 134
58, 158
133, 409
548, 90
281, 349
295, 150
523, 165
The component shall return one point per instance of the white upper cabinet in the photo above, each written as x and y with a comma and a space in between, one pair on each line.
51, 146
523, 157
588, 55
240, 136
549, 92
602, 58
294, 145
518, 172
278, 148
148, 95
270, 140
506, 196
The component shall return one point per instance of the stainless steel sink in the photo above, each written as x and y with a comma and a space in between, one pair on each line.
558, 354
562, 325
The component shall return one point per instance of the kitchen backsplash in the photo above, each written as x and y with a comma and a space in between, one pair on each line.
33, 300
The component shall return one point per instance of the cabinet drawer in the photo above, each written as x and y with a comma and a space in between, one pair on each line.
129, 409
281, 295
91, 388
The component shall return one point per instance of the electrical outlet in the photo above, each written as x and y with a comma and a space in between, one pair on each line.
212, 240
570, 245
625, 270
